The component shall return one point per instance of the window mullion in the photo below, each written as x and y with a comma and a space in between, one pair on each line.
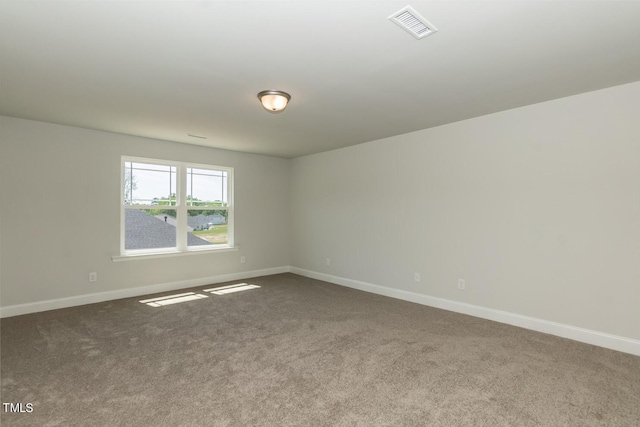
230, 209
181, 200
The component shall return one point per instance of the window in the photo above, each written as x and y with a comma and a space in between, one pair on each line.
172, 207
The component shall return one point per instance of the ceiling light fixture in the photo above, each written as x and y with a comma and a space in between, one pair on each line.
274, 101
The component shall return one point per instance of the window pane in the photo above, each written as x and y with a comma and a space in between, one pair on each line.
146, 184
149, 228
207, 227
206, 187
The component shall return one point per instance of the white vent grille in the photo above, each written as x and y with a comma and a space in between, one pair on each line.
413, 23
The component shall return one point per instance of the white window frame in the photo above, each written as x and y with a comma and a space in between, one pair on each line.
181, 208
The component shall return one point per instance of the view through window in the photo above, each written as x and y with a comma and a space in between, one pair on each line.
169, 206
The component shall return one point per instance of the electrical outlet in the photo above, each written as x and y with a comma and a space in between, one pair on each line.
242, 260
462, 284
327, 261
416, 277
93, 276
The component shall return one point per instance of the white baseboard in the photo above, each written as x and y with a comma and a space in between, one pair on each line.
16, 310
600, 339
588, 336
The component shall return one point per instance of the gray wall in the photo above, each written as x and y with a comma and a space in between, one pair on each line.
538, 208
60, 216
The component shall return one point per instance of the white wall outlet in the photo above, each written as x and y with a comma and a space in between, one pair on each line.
327, 261
93, 276
242, 259
462, 284
416, 277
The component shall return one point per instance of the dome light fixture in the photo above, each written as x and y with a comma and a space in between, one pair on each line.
274, 101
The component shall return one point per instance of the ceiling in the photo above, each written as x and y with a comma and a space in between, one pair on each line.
167, 69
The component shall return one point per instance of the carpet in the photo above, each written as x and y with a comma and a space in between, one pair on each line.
302, 352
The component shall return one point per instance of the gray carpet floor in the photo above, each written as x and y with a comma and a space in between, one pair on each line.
301, 352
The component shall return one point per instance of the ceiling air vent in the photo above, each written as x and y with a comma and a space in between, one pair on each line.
413, 23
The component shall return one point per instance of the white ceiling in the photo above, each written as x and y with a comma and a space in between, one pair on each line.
166, 69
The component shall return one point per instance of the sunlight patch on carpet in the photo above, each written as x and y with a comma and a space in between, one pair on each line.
223, 290
172, 299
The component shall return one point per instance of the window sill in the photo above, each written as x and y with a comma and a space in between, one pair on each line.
168, 254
